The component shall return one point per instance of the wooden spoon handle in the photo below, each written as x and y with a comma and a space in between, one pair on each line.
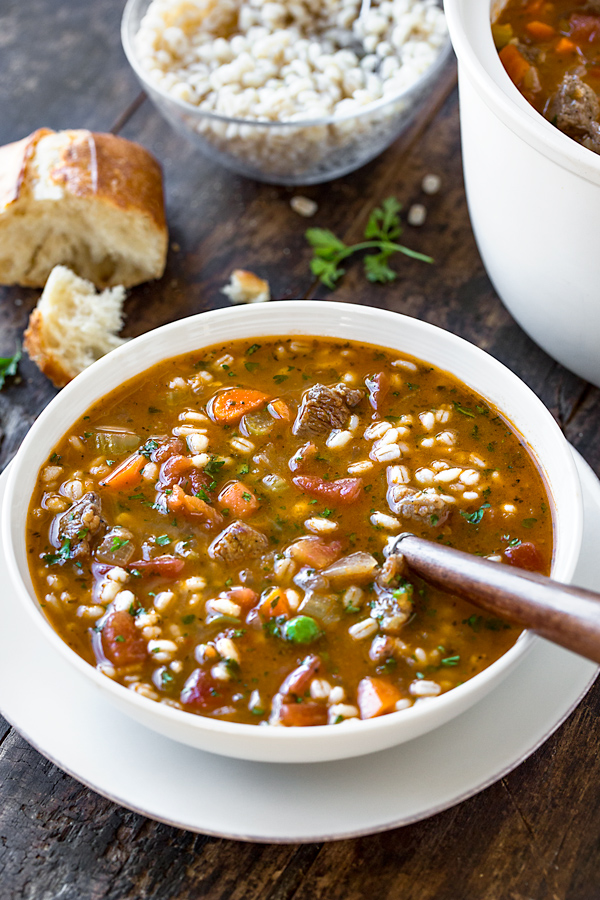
568, 616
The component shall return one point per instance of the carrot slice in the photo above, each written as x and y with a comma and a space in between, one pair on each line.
280, 410
274, 604
127, 474
565, 46
540, 31
238, 499
515, 63
376, 697
228, 407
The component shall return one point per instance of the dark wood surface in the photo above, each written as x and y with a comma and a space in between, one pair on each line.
535, 833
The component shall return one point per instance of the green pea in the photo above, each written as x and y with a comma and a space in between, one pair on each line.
302, 630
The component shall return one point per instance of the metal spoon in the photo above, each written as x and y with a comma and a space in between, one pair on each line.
569, 616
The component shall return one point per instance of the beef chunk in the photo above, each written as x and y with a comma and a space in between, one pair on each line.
575, 110
392, 609
324, 408
237, 543
426, 507
82, 525
392, 572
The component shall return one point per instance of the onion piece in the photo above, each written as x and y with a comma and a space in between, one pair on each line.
117, 547
356, 568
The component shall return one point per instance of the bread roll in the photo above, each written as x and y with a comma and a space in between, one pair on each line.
93, 202
72, 326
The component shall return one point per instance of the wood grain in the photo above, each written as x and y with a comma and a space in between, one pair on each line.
531, 836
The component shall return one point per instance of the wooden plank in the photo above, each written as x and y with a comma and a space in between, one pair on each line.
62, 66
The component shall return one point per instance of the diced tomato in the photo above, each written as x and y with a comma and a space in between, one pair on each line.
274, 604
303, 715
165, 566
201, 691
172, 447
128, 474
298, 680
193, 507
525, 556
314, 552
228, 407
342, 492
376, 697
243, 596
173, 469
122, 643
199, 481
584, 28
238, 499
378, 387
302, 456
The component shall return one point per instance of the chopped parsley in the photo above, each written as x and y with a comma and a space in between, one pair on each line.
148, 448
61, 556
213, 465
118, 542
8, 366
476, 517
463, 410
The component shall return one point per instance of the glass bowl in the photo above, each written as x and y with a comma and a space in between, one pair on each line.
294, 153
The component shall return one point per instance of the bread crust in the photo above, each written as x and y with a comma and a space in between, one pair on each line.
110, 168
13, 165
46, 361
110, 172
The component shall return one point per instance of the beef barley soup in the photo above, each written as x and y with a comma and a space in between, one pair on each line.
551, 51
211, 534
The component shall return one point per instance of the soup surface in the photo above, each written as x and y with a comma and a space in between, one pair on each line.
551, 51
212, 534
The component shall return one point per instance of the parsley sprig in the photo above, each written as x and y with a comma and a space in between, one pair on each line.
381, 232
8, 366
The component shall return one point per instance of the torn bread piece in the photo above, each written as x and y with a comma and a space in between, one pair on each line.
72, 326
93, 202
246, 287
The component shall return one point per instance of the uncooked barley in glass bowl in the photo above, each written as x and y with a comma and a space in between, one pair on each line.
290, 93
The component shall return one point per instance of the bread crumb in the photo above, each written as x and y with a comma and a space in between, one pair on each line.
246, 287
304, 206
416, 215
72, 326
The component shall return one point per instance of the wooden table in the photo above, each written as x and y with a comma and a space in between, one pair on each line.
535, 833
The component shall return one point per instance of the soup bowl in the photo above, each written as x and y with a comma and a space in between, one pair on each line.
534, 200
485, 375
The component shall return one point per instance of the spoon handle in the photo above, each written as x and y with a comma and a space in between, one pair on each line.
568, 616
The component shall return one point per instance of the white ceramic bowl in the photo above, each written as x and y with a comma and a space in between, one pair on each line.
492, 380
534, 200
291, 153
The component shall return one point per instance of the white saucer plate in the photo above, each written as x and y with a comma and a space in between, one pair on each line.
70, 722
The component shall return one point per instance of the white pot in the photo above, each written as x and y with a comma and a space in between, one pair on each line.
534, 200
